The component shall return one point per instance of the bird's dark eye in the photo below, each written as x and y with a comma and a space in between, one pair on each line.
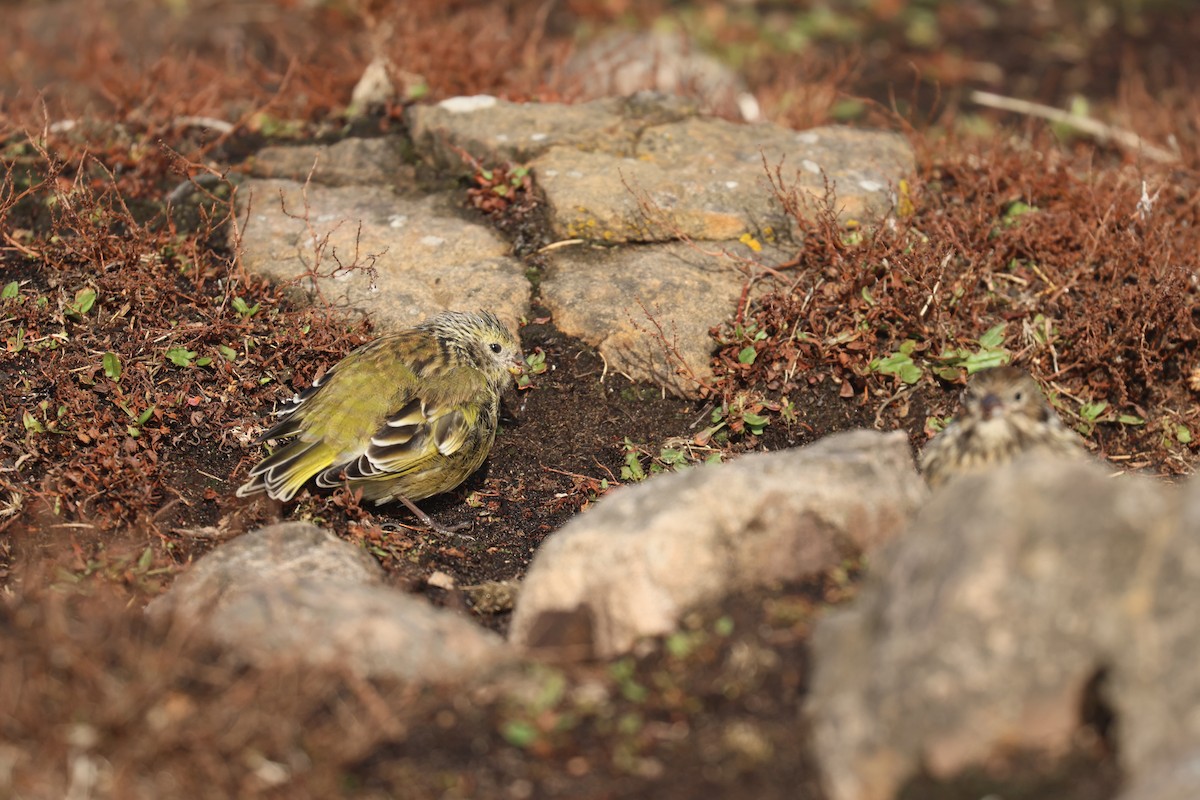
496, 348
1019, 396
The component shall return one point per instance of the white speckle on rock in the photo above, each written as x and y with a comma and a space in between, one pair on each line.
731, 185
397, 220
550, 173
811, 166
574, 174
326, 217
432, 241
465, 105
871, 186
342, 274
501, 137
538, 137
807, 137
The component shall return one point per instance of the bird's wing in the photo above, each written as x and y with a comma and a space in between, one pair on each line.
437, 420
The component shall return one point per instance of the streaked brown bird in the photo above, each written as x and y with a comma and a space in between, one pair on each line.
407, 416
1003, 414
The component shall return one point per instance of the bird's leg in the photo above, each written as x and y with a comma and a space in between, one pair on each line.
426, 520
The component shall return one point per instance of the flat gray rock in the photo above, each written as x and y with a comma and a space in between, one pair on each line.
708, 179
648, 310
497, 131
397, 259
293, 592
377, 162
645, 554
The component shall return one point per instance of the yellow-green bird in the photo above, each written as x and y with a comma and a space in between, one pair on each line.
407, 416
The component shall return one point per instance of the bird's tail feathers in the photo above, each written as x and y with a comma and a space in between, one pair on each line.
284, 472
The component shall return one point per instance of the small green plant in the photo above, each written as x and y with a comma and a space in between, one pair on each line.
899, 364
535, 364
990, 353
743, 414
53, 422
84, 300
112, 365
1100, 412
1015, 211
624, 672
243, 310
182, 357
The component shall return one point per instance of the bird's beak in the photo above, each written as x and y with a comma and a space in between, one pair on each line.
991, 406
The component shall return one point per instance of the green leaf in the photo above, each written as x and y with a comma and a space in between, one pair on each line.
1017, 210
519, 733
229, 353
994, 337
632, 471
1092, 411
84, 300
10, 290
144, 417
112, 365
985, 359
755, 422
671, 456
1182, 434
680, 644
535, 362
180, 356
747, 355
31, 423
1130, 419
245, 311
900, 365
145, 559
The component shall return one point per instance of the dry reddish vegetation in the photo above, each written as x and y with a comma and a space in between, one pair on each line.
137, 353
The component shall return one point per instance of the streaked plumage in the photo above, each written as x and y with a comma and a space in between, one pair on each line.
1003, 414
407, 416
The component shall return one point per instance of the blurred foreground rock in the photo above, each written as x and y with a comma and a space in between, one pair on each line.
645, 554
295, 593
1015, 599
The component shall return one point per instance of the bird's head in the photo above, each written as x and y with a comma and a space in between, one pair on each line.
483, 341
1002, 392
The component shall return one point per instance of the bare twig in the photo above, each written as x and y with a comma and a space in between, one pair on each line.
1092, 127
